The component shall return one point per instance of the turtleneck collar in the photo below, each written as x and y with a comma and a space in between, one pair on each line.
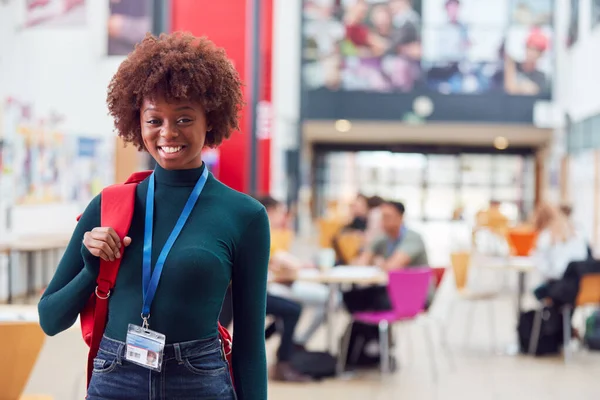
178, 177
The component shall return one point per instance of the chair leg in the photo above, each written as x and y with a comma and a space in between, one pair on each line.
344, 349
536, 329
567, 333
384, 346
430, 350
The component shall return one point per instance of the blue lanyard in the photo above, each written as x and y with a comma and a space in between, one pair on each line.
150, 282
392, 244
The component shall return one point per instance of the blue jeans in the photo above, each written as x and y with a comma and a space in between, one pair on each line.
190, 370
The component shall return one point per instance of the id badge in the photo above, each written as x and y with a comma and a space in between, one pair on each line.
145, 347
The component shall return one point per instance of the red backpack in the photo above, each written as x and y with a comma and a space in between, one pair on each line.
117, 212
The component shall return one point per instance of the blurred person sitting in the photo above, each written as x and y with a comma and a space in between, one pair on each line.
284, 267
558, 245
399, 247
374, 226
491, 227
359, 210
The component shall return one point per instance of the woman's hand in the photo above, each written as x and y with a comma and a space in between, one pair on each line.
105, 243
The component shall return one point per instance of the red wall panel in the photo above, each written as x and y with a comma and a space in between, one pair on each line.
225, 23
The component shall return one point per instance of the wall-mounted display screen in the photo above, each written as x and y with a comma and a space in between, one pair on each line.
448, 46
429, 47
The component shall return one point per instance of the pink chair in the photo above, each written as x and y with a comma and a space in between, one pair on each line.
408, 290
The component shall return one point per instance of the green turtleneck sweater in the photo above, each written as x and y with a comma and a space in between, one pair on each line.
226, 238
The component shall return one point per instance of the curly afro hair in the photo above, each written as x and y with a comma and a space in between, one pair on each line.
180, 67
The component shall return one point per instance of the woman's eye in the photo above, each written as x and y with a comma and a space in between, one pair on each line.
153, 122
184, 120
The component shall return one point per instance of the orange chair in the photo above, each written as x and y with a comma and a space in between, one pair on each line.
521, 241
21, 344
349, 245
281, 240
328, 229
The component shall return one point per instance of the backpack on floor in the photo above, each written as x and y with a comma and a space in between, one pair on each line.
551, 332
592, 331
317, 365
116, 211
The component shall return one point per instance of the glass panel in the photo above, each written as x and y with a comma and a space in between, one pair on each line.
474, 199
442, 169
411, 197
440, 202
508, 170
408, 168
476, 169
507, 193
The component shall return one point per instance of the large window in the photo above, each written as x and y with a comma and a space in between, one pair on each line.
430, 186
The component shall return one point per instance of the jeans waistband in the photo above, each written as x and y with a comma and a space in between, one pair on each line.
177, 351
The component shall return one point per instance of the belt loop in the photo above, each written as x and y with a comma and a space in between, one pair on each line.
177, 349
120, 353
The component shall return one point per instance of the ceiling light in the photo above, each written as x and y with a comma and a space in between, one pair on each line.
343, 125
501, 143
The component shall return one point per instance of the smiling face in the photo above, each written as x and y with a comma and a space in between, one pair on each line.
174, 133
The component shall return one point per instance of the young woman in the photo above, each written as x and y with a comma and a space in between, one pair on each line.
173, 96
558, 244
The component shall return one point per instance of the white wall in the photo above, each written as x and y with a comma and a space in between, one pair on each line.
286, 88
55, 69
61, 70
580, 79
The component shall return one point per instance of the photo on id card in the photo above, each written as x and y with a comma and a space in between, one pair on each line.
145, 347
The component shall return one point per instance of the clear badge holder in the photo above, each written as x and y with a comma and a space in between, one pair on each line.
145, 347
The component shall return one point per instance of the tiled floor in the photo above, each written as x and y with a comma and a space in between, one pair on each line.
482, 370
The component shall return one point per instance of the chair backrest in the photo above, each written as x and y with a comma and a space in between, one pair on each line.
589, 290
521, 241
328, 228
349, 245
408, 289
281, 240
20, 345
438, 275
461, 262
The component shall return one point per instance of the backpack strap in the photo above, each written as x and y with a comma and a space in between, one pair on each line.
117, 208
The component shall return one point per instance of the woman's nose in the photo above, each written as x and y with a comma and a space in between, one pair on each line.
169, 131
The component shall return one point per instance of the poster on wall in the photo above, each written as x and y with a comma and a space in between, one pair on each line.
362, 45
445, 46
128, 22
462, 45
53, 167
55, 13
528, 50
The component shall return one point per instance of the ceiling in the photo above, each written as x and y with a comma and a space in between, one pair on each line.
477, 135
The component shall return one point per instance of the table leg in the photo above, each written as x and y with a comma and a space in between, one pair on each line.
513, 349
334, 289
30, 274
521, 292
10, 277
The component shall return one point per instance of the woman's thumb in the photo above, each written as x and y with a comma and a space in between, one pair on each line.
126, 240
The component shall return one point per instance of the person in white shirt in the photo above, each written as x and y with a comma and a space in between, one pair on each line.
558, 245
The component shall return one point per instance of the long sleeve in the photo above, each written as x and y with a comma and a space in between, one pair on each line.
249, 288
74, 280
